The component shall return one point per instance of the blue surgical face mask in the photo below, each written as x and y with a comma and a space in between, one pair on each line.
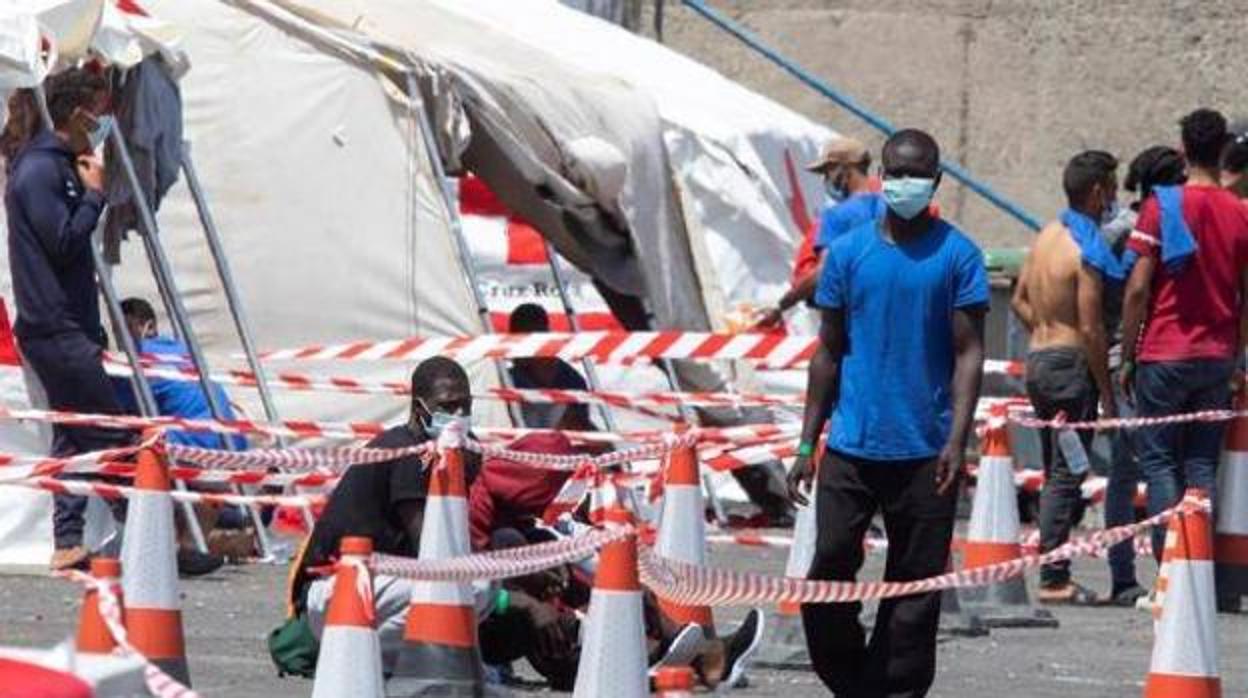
99, 134
908, 196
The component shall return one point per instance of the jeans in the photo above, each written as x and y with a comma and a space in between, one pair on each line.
1124, 480
1058, 382
1175, 457
69, 368
900, 658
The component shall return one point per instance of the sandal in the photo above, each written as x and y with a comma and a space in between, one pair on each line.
1069, 594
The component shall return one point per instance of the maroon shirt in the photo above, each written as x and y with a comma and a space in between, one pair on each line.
508, 494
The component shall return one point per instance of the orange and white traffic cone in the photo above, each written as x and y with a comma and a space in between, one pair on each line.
1185, 650
349, 660
673, 682
613, 647
993, 537
150, 565
784, 640
1230, 543
439, 654
93, 634
682, 529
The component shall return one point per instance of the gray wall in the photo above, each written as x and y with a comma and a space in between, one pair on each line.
1010, 88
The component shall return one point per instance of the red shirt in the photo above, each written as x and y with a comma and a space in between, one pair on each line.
507, 494
1195, 314
806, 262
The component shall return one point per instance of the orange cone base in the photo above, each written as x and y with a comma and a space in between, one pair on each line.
684, 615
436, 670
1174, 686
157, 634
1005, 605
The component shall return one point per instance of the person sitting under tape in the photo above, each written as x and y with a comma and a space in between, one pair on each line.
386, 502
507, 505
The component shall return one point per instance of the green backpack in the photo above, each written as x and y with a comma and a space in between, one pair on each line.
294, 648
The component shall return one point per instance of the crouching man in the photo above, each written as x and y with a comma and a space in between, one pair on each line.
386, 502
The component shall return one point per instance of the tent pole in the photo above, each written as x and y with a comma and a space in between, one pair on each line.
138, 379
457, 229
163, 272
232, 299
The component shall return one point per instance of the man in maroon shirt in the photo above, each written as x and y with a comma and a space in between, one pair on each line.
1186, 292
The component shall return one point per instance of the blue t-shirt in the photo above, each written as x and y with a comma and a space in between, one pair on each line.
178, 398
837, 220
895, 398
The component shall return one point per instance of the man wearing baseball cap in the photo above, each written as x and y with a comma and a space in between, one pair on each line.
843, 164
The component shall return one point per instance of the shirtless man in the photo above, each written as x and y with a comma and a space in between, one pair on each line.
1058, 299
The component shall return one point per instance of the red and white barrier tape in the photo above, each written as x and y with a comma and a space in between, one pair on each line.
87, 488
159, 683
500, 564
292, 429
335, 458
694, 585
762, 350
1130, 422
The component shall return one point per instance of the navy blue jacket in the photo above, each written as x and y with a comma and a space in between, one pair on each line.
51, 218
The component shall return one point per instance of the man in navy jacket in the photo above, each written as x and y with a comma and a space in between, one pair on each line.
53, 202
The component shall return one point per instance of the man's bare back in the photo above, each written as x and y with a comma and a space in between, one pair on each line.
1049, 289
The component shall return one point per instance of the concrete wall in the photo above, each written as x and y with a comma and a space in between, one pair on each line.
1010, 88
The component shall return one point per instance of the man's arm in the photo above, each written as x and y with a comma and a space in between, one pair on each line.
968, 371
822, 390
1092, 330
1134, 309
1020, 303
412, 515
63, 230
803, 290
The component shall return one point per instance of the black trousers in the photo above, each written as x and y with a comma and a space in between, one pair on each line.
69, 368
1058, 380
900, 658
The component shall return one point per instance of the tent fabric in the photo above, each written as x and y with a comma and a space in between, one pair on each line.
525, 139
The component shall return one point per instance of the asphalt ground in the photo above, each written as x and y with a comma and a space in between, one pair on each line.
1096, 652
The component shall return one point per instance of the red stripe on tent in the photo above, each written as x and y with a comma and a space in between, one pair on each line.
8, 347
476, 199
131, 7
524, 244
589, 322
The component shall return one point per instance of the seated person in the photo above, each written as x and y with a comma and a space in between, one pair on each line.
183, 398
506, 503
386, 502
538, 373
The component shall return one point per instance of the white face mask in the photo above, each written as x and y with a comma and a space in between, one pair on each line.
439, 421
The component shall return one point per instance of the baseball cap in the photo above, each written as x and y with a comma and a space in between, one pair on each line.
839, 151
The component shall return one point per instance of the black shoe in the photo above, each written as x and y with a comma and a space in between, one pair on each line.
741, 646
192, 563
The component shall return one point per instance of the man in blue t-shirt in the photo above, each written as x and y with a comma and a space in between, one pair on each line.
898, 368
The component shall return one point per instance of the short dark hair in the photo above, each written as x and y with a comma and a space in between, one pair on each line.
1159, 165
913, 138
528, 317
1085, 171
434, 369
70, 90
1235, 157
1204, 136
139, 309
